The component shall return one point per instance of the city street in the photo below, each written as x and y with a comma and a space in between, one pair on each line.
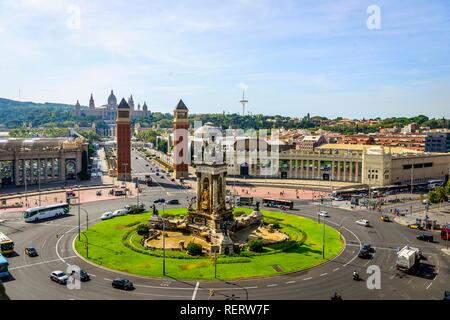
53, 240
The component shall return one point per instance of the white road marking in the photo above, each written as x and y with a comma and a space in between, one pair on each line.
307, 279
272, 285
290, 282
392, 277
107, 279
38, 263
195, 290
334, 270
323, 274
429, 285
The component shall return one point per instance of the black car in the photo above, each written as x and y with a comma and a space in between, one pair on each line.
84, 276
368, 248
447, 295
122, 283
363, 253
161, 200
173, 201
31, 252
425, 237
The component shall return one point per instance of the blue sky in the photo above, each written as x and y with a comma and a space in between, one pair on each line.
293, 56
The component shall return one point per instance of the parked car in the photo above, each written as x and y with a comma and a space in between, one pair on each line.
363, 222
324, 214
59, 276
31, 252
173, 201
415, 226
120, 212
385, 218
82, 275
425, 237
160, 200
122, 283
339, 199
107, 215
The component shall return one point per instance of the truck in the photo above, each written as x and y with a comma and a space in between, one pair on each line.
244, 201
407, 258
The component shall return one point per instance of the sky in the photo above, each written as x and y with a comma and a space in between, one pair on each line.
293, 57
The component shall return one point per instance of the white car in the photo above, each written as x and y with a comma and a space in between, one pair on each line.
120, 212
324, 214
107, 215
59, 276
363, 222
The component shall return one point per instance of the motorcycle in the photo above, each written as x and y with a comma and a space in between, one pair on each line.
356, 277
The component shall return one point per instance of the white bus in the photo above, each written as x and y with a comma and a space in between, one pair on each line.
46, 212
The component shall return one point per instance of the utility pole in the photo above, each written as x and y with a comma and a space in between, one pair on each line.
39, 186
323, 237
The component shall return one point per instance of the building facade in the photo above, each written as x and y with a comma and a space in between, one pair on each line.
44, 160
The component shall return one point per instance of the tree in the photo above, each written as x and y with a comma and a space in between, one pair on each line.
194, 249
143, 230
437, 195
256, 246
447, 188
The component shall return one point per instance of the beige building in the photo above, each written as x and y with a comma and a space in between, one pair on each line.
366, 164
56, 159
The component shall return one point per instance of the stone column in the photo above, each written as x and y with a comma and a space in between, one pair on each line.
339, 171
215, 194
62, 168
301, 169
296, 169
319, 162
290, 168
351, 170
332, 171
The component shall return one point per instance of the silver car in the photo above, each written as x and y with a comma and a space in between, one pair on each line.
59, 276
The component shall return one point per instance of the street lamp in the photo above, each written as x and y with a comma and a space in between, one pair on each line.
164, 240
323, 234
87, 218
79, 214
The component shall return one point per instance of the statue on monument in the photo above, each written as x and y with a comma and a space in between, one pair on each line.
205, 200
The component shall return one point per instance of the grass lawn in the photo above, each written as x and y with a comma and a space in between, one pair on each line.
106, 248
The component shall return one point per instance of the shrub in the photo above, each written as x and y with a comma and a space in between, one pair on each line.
256, 246
194, 249
276, 225
142, 229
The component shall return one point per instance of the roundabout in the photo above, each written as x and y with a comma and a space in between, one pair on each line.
115, 244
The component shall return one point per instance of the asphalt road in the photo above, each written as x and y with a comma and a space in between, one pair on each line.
53, 240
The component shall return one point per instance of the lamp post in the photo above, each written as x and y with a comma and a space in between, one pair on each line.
164, 241
79, 214
323, 234
87, 218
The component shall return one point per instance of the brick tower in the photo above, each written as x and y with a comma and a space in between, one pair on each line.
180, 141
123, 122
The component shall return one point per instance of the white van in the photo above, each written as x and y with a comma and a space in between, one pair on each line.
363, 222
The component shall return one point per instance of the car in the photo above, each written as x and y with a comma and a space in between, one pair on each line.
122, 283
363, 253
173, 201
82, 275
368, 247
339, 199
324, 214
120, 212
425, 237
160, 200
162, 177
31, 252
363, 222
447, 295
146, 164
107, 215
415, 226
385, 218
157, 173
59, 276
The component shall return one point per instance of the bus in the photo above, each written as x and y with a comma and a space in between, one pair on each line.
348, 193
6, 244
435, 183
3, 267
46, 212
278, 203
445, 232
244, 201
